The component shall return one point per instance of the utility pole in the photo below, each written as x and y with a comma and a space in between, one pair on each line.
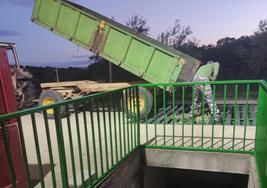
110, 72
57, 75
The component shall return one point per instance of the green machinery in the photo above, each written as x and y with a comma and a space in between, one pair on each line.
136, 53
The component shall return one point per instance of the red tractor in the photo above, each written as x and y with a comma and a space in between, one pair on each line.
8, 104
24, 85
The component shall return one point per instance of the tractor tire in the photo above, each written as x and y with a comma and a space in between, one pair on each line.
145, 103
50, 97
27, 94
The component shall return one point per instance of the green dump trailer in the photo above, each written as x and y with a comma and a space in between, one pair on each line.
141, 55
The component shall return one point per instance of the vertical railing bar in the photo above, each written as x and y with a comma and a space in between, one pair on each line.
61, 147
38, 153
24, 152
235, 111
164, 116
138, 117
8, 155
183, 111
173, 115
119, 119
71, 146
79, 142
115, 128
105, 133
99, 137
49, 148
146, 118
246, 115
123, 122
224, 113
213, 114
202, 115
93, 137
127, 113
155, 114
110, 130
193, 115
134, 118
131, 120
87, 143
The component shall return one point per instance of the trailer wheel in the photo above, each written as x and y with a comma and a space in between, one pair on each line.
50, 97
145, 103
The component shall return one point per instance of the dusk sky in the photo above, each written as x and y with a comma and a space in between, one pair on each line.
210, 20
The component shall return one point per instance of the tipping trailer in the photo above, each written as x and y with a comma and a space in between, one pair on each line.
141, 55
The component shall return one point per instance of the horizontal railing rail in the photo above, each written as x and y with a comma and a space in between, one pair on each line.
86, 139
90, 136
219, 115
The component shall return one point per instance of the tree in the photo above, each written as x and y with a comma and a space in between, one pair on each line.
176, 36
138, 24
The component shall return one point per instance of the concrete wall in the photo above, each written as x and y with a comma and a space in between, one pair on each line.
128, 175
204, 161
172, 168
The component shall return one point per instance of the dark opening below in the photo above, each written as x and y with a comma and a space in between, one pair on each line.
176, 178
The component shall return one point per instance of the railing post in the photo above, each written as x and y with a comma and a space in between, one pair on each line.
261, 135
61, 149
138, 115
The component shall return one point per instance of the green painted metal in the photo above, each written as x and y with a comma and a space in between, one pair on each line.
213, 114
84, 104
105, 131
94, 139
224, 113
71, 146
136, 53
120, 128
37, 147
115, 128
124, 126
61, 149
202, 117
261, 135
99, 137
24, 152
164, 116
49, 145
110, 130
173, 116
235, 113
138, 118
79, 142
131, 135
246, 114
155, 112
183, 97
146, 118
193, 115
131, 120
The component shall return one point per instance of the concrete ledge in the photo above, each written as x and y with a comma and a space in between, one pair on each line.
204, 161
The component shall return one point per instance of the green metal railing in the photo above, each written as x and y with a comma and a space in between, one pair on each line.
261, 135
80, 149
83, 148
173, 125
